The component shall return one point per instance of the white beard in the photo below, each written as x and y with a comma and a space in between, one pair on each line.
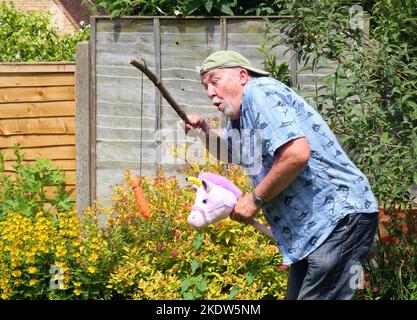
228, 108
228, 111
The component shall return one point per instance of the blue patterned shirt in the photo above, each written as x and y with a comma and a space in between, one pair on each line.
328, 188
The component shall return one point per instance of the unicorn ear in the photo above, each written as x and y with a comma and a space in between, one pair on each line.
206, 185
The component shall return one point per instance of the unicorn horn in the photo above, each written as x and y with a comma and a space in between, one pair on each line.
195, 180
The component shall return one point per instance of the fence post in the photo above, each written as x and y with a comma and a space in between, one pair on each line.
82, 119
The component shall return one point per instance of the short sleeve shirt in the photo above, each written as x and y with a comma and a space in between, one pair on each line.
328, 188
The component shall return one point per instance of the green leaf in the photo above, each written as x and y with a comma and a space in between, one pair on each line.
188, 296
251, 276
415, 177
209, 5
201, 284
198, 240
195, 264
226, 9
233, 292
193, 7
185, 284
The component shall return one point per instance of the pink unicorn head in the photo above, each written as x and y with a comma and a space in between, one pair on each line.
215, 200
216, 197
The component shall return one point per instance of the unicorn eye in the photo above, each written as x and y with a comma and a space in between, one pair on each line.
205, 201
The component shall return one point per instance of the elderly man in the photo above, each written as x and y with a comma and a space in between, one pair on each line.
318, 204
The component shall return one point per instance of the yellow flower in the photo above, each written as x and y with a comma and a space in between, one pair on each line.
30, 257
61, 266
16, 273
33, 282
18, 282
77, 283
91, 269
4, 296
93, 257
60, 251
77, 292
32, 270
43, 248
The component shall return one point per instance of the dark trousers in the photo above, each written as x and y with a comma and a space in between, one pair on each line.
334, 270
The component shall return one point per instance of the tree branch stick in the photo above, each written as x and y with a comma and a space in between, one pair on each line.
158, 83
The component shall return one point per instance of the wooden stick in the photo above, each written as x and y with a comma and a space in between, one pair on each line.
158, 83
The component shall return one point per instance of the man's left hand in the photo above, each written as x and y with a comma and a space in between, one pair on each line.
245, 209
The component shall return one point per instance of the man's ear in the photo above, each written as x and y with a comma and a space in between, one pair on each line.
243, 76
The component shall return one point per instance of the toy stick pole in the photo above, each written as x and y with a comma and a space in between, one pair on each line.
265, 230
158, 83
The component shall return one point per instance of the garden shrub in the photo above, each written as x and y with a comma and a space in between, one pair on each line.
42, 239
55, 254
165, 258
26, 192
184, 7
27, 37
51, 257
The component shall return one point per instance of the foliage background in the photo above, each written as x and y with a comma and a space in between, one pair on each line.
185, 7
26, 37
130, 257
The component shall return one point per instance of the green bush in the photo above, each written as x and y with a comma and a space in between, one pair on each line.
46, 250
165, 258
52, 256
31, 37
185, 7
56, 254
27, 192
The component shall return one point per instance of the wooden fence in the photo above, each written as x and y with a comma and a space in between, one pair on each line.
125, 123
37, 111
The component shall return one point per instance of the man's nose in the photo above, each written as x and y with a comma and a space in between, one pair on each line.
210, 92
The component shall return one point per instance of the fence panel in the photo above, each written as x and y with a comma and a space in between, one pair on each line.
126, 125
37, 111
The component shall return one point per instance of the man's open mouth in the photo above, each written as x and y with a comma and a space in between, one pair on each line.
218, 103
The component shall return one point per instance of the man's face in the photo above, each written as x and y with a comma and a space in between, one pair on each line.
225, 89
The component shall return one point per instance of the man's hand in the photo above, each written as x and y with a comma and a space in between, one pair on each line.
245, 209
197, 122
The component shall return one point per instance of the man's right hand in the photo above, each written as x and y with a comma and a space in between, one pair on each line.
197, 122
